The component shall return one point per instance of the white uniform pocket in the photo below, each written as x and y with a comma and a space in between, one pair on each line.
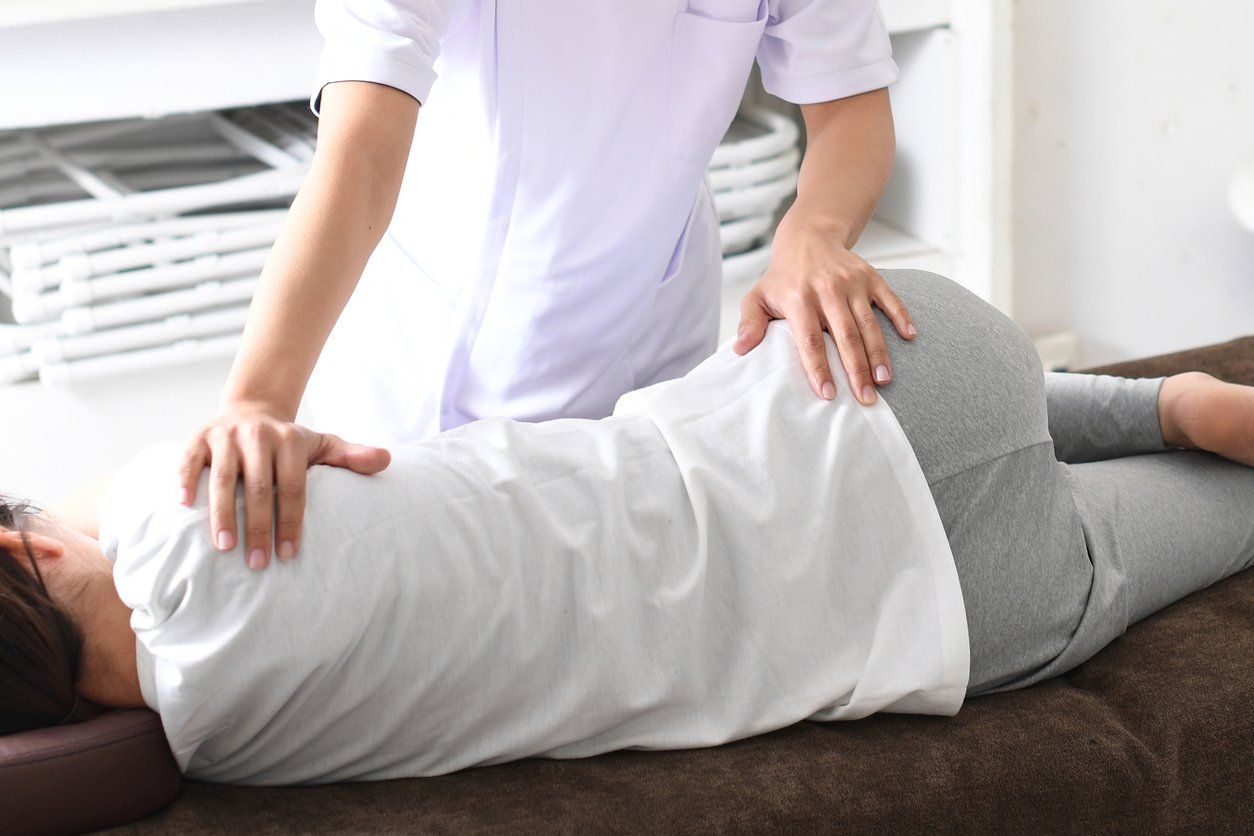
710, 63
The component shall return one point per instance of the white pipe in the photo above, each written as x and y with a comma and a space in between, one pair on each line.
144, 360
14, 339
45, 306
208, 295
740, 233
248, 142
79, 266
17, 367
37, 253
114, 340
781, 134
765, 197
263, 185
83, 178
746, 268
734, 177
297, 144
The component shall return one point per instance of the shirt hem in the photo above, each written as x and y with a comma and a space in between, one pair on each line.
949, 693
831, 86
340, 63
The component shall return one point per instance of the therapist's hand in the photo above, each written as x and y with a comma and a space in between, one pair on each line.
267, 452
818, 285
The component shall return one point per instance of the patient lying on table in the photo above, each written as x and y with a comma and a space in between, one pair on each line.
723, 556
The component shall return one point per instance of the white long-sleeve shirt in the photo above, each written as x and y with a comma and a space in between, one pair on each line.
553, 246
724, 556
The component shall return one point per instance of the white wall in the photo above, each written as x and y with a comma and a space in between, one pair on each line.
1131, 118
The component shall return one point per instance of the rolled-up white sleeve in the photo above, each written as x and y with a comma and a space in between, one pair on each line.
820, 50
392, 42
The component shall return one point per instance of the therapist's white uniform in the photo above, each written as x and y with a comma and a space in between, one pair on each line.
555, 244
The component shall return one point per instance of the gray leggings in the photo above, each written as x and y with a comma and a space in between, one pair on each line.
1068, 517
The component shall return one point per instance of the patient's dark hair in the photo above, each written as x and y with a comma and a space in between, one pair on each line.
41, 648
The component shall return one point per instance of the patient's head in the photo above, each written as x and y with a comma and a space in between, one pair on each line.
41, 647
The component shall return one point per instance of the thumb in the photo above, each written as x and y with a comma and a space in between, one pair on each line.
753, 321
359, 458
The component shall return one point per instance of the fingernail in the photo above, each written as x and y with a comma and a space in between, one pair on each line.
287, 550
256, 559
881, 374
829, 391
868, 394
185, 495
910, 329
226, 540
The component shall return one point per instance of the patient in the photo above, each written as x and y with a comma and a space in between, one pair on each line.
723, 556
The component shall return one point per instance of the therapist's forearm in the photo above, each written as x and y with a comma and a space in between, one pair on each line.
849, 156
336, 221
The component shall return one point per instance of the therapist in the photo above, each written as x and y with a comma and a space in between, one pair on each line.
547, 241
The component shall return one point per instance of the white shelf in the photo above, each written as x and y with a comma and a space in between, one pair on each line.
94, 60
882, 243
913, 15
27, 12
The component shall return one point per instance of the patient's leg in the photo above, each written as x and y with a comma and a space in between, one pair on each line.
1163, 525
1094, 416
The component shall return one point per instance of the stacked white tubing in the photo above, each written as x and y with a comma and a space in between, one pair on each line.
746, 267
44, 306
32, 255
265, 185
144, 360
780, 135
740, 234
157, 265
172, 329
751, 178
90, 318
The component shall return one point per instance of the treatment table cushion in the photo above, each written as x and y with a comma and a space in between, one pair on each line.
1153, 734
111, 769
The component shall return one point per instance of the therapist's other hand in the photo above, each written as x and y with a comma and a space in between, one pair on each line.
272, 456
818, 285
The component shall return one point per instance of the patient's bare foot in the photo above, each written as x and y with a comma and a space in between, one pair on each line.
1199, 411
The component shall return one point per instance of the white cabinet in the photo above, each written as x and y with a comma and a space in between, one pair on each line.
945, 209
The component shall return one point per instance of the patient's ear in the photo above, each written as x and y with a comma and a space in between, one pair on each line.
41, 545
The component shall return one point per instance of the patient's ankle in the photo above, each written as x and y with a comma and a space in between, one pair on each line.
1177, 406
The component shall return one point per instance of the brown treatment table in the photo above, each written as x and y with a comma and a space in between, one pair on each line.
1153, 735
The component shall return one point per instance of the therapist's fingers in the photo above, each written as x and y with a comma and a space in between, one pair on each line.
258, 470
807, 330
754, 317
872, 339
325, 448
223, 476
895, 309
290, 464
844, 329
195, 457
